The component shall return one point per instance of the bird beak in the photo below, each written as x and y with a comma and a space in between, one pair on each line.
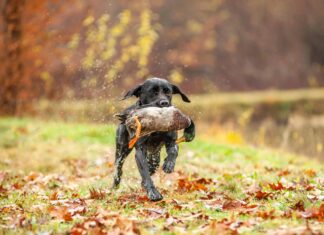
180, 140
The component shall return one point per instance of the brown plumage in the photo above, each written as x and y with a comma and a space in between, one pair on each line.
144, 121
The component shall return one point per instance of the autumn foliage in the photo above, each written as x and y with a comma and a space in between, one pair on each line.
56, 177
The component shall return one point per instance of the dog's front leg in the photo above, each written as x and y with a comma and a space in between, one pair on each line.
143, 168
172, 154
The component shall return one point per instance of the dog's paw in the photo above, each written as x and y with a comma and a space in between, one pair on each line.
115, 186
154, 195
168, 166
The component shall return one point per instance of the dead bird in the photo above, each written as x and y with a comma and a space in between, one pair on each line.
144, 121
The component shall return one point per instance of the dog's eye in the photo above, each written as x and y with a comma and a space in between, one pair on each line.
155, 90
167, 91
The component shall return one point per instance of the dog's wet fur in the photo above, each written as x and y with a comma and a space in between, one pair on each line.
153, 92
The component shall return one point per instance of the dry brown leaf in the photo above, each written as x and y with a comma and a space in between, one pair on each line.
283, 173
300, 206
67, 209
3, 191
277, 186
314, 213
62, 213
89, 226
17, 185
266, 214
186, 185
32, 176
96, 194
263, 195
54, 196
231, 204
104, 222
310, 173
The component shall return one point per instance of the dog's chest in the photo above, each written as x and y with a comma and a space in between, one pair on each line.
154, 143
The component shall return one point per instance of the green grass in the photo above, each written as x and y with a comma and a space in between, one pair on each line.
39, 158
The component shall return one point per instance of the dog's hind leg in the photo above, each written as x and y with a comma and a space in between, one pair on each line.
122, 151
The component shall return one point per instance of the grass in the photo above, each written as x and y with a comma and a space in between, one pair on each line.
279, 104
48, 166
290, 119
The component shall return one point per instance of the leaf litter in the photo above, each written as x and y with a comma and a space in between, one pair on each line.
226, 199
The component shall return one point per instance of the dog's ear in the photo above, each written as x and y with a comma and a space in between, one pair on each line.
176, 90
134, 92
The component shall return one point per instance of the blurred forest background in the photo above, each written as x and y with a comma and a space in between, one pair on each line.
73, 59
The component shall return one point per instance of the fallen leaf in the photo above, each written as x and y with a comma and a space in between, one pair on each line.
67, 209
262, 195
287, 214
3, 191
300, 206
186, 185
152, 213
17, 185
266, 214
277, 186
62, 213
89, 226
283, 173
54, 196
96, 194
32, 176
314, 213
233, 204
310, 173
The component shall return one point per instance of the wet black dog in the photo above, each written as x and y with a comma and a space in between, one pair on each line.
153, 92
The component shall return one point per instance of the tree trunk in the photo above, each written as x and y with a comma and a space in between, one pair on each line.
10, 82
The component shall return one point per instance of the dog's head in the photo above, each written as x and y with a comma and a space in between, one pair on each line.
156, 92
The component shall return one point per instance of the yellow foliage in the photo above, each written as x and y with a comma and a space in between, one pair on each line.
103, 20
233, 137
194, 26
74, 42
142, 72
147, 38
115, 45
125, 17
88, 61
176, 76
126, 40
46, 76
88, 21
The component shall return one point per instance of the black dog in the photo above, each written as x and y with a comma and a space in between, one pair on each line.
153, 92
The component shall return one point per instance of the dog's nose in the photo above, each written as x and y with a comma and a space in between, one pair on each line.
164, 103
